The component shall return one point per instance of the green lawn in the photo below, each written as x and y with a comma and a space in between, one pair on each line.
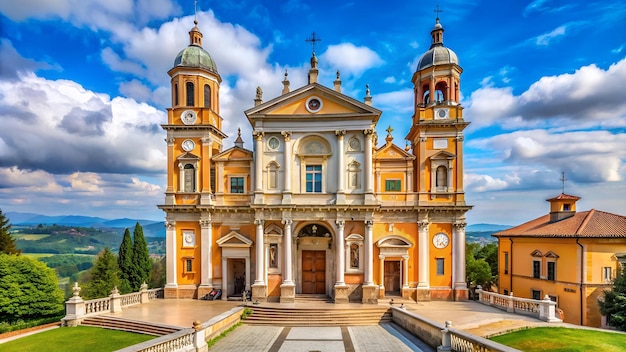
563, 339
76, 339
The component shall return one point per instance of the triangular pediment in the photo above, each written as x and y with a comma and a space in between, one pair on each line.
188, 156
392, 151
234, 153
295, 105
443, 155
234, 239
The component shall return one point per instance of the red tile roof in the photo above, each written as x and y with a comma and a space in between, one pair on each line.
563, 196
592, 223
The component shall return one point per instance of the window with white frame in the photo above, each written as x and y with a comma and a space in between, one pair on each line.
536, 269
607, 274
314, 178
237, 184
551, 274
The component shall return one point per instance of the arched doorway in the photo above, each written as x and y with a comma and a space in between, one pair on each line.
315, 260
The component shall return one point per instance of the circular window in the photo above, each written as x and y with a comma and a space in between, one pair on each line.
273, 143
314, 104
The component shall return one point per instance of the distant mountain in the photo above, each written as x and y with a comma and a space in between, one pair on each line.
487, 227
151, 228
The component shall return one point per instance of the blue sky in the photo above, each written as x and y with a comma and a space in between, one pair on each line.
84, 87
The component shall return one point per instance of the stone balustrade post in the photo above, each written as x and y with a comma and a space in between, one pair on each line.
510, 303
446, 339
199, 340
74, 308
145, 297
479, 290
116, 301
547, 310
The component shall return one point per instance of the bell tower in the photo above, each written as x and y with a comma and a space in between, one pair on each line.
436, 133
194, 123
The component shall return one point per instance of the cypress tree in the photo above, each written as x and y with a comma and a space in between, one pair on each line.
142, 265
125, 262
7, 242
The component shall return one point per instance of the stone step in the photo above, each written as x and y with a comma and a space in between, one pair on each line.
317, 317
141, 327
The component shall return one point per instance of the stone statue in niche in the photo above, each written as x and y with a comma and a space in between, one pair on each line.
273, 250
354, 255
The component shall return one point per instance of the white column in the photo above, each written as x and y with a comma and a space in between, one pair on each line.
258, 153
287, 167
369, 253
260, 260
405, 272
206, 253
381, 264
341, 169
288, 265
424, 255
170, 254
224, 278
458, 256
369, 184
340, 253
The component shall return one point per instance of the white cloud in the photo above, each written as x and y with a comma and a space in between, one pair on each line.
136, 90
351, 59
588, 97
546, 38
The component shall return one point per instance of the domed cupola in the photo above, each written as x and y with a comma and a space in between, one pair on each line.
438, 54
194, 55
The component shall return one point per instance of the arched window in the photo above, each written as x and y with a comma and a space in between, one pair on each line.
426, 94
190, 98
440, 92
442, 177
207, 96
189, 178
176, 94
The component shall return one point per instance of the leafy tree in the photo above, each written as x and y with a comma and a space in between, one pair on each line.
489, 253
478, 271
7, 242
104, 276
28, 289
157, 275
613, 302
125, 262
142, 264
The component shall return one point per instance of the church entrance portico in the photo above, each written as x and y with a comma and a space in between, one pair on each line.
314, 260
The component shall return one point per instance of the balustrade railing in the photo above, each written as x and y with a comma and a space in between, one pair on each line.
544, 309
76, 309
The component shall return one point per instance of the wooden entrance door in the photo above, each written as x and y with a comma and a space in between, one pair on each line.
314, 272
392, 277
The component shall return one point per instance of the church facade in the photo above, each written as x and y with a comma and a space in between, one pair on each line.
317, 205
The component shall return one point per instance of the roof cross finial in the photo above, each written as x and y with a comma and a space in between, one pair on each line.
313, 40
438, 11
563, 179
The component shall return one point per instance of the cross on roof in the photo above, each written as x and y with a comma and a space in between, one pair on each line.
563, 179
389, 129
313, 39
438, 11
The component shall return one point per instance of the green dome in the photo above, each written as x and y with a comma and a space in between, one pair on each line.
195, 56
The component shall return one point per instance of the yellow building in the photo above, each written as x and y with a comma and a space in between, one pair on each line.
567, 255
316, 207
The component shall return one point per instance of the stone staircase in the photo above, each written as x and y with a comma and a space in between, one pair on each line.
312, 298
141, 327
318, 316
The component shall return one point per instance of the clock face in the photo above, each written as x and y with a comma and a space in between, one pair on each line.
189, 117
441, 240
188, 237
273, 143
188, 145
314, 104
